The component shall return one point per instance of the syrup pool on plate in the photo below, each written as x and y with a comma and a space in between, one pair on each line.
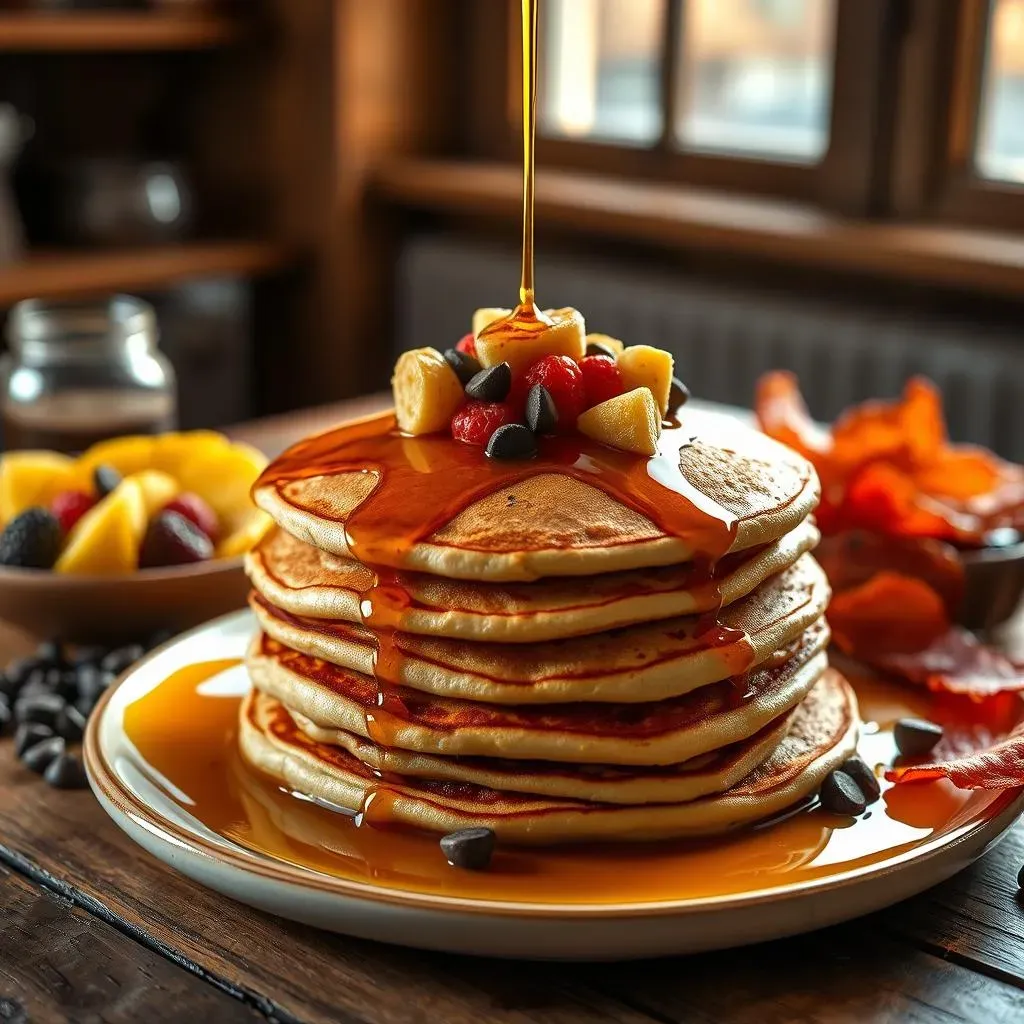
185, 733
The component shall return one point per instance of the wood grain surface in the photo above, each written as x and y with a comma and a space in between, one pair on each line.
94, 929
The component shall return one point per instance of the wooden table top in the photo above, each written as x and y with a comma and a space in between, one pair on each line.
94, 929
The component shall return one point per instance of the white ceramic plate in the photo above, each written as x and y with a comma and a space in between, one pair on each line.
158, 818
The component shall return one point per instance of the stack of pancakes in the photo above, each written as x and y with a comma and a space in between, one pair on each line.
551, 665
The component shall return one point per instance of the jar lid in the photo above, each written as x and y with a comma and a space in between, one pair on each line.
116, 319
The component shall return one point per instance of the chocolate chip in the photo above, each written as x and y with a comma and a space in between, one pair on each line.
39, 755
6, 715
105, 479
121, 658
19, 670
466, 367
541, 411
470, 848
492, 384
92, 655
66, 772
860, 771
50, 653
915, 736
512, 441
86, 705
678, 394
39, 707
28, 734
595, 348
841, 795
70, 723
92, 681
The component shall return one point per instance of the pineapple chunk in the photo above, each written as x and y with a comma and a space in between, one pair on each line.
642, 366
610, 343
35, 478
565, 337
427, 391
630, 422
485, 317
106, 540
157, 488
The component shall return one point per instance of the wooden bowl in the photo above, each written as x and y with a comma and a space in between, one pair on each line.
993, 585
108, 609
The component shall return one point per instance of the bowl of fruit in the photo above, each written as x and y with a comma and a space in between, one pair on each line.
138, 534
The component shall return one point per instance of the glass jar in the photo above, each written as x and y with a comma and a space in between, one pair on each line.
79, 372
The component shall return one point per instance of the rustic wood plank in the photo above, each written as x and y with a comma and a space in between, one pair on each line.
58, 963
846, 974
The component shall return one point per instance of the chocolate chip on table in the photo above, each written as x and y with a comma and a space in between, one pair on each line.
39, 755
6, 715
70, 723
92, 681
595, 348
31, 540
466, 367
860, 771
512, 441
28, 734
65, 771
120, 658
492, 384
39, 707
91, 655
105, 479
841, 795
678, 394
915, 736
470, 848
541, 411
50, 653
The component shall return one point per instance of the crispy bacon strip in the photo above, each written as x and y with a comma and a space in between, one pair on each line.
998, 766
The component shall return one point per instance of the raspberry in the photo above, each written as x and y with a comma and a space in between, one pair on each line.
602, 379
196, 511
70, 506
476, 421
563, 378
467, 345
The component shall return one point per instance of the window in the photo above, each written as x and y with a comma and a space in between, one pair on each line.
756, 77
1000, 143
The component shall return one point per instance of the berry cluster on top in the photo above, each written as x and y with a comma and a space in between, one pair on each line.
501, 390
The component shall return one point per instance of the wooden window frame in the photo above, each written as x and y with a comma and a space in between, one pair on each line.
850, 178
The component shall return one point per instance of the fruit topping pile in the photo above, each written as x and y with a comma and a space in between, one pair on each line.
130, 503
502, 389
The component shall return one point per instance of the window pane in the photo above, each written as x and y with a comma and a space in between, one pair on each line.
600, 69
1000, 152
756, 77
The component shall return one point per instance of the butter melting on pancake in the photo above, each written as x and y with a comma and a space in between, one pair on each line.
552, 523
658, 733
822, 735
302, 580
634, 664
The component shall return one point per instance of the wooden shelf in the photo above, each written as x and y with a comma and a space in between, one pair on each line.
55, 274
100, 33
675, 215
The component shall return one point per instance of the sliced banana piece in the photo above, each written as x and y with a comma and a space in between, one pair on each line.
427, 392
486, 316
566, 336
630, 422
643, 366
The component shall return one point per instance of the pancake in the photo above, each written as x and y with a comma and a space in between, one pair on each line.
713, 772
302, 580
337, 700
578, 509
634, 664
823, 734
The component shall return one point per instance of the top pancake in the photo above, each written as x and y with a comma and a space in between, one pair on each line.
551, 516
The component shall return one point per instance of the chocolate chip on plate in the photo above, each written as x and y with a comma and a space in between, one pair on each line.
37, 757
512, 441
595, 348
678, 394
492, 384
105, 479
120, 658
28, 734
39, 707
541, 411
860, 771
915, 736
70, 723
65, 771
470, 848
841, 795
466, 367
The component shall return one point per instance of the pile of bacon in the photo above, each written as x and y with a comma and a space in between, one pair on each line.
899, 505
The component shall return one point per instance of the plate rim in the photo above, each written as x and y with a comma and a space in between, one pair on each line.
1006, 807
